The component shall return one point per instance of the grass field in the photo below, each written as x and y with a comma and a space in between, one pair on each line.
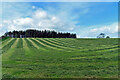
59, 58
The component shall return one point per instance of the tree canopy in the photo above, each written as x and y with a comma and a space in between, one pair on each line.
30, 33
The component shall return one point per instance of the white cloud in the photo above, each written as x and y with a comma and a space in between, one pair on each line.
33, 7
41, 20
40, 13
22, 21
0, 25
11, 10
25, 16
111, 30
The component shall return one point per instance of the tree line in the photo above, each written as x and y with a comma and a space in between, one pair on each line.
30, 33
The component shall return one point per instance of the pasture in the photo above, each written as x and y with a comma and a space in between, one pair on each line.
59, 58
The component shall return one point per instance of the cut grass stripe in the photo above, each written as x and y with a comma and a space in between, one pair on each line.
104, 49
94, 53
56, 41
19, 53
4, 41
57, 44
66, 44
74, 43
24, 44
47, 43
20, 43
63, 42
8, 50
86, 50
41, 47
15, 43
97, 56
28, 50
29, 44
32, 51
44, 44
8, 46
33, 43
60, 41
51, 43
5, 44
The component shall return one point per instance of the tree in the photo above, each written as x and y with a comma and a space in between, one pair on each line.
107, 36
101, 35
30, 33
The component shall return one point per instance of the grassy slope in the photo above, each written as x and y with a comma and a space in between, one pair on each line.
0, 59
60, 57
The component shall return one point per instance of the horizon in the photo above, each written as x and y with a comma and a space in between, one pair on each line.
86, 20
10, 33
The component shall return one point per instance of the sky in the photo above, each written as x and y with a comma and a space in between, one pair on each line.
86, 19
59, 0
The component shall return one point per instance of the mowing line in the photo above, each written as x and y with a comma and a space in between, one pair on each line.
96, 56
98, 49
45, 44
24, 44
59, 41
8, 45
55, 41
74, 48
106, 49
19, 52
50, 44
56, 44
27, 48
7, 42
41, 47
15, 43
33, 43
63, 40
98, 53
9, 52
65, 44
29, 44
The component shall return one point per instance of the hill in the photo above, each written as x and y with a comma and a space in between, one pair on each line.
60, 58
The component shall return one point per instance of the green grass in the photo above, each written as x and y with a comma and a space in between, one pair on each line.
0, 59
60, 58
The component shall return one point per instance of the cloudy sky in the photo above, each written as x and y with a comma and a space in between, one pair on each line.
86, 19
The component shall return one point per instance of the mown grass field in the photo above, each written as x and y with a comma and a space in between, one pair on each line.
59, 58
